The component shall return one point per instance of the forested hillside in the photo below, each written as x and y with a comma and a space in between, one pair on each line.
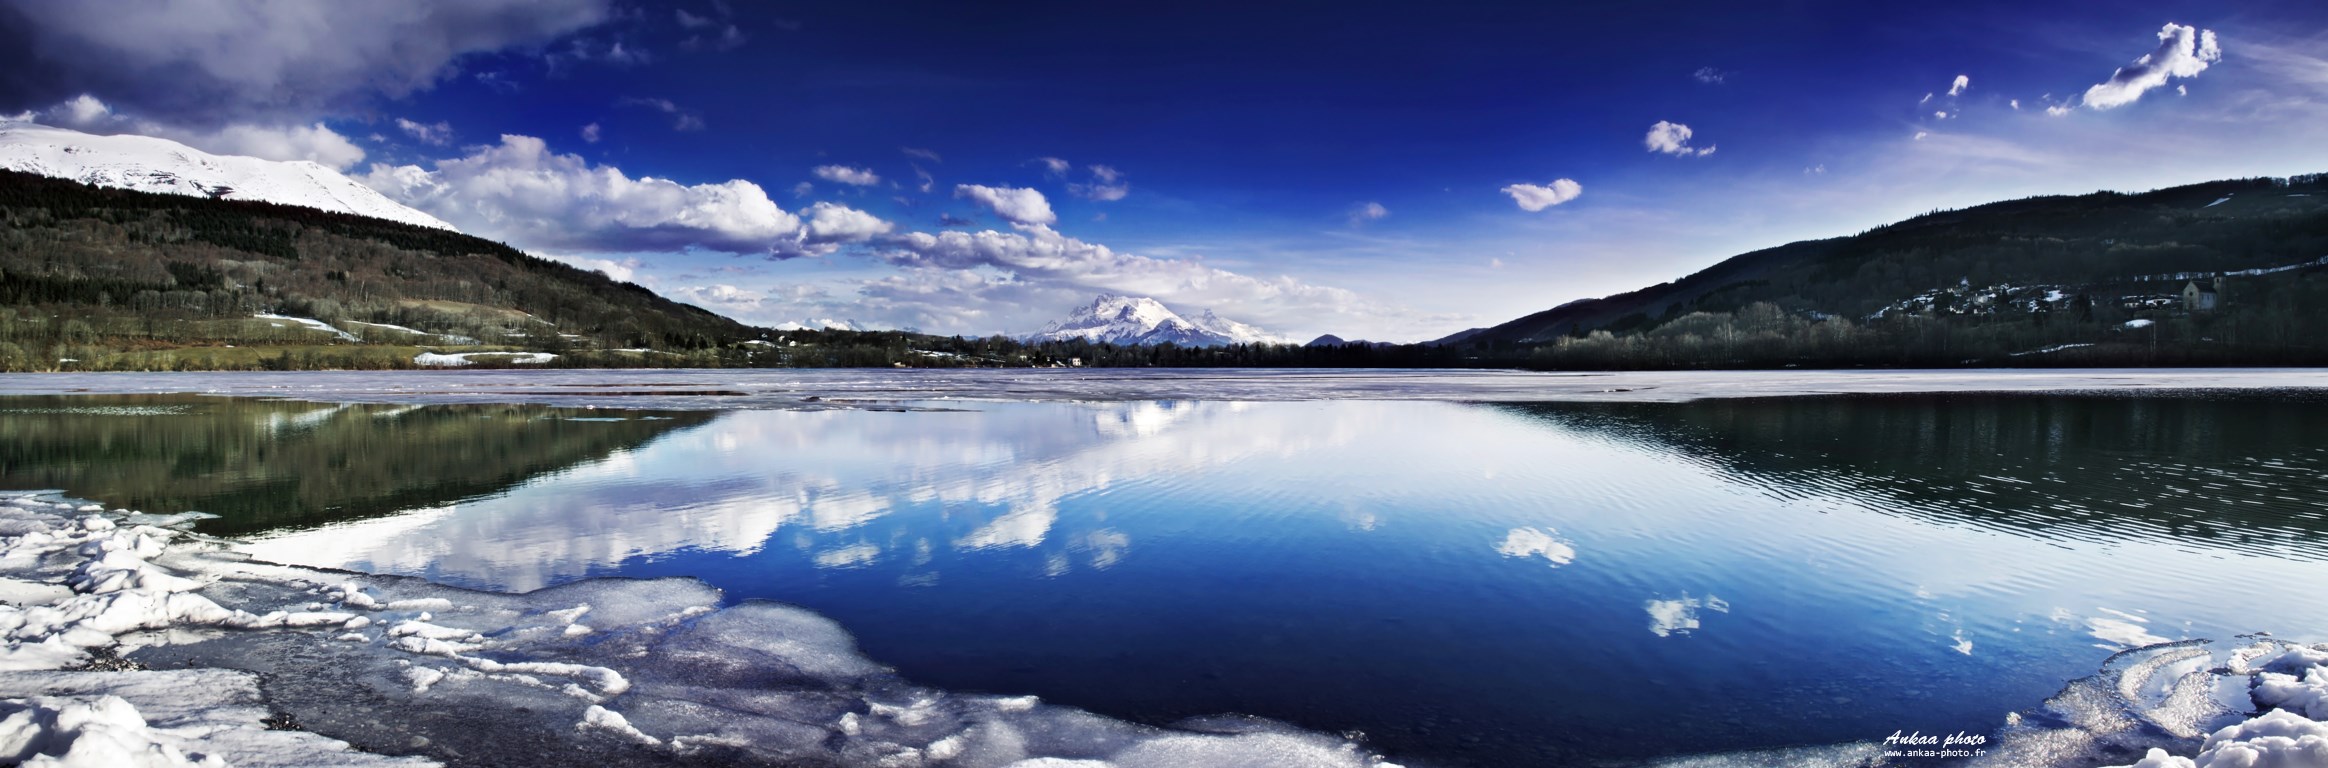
2091, 279
111, 278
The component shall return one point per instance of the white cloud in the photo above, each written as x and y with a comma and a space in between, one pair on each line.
521, 192
831, 223
1710, 75
842, 174
1816, 170
206, 62
1054, 166
1921, 134
1923, 101
2016, 104
1107, 184
83, 111
917, 152
927, 182
1940, 115
2182, 52
590, 133
438, 134
1673, 139
1533, 198
2058, 110
314, 142
1013, 204
1367, 211
1963, 82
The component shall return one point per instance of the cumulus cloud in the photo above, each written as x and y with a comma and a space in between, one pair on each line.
1367, 211
521, 192
205, 62
1962, 84
842, 174
2182, 52
1013, 204
438, 134
1673, 139
314, 142
1710, 75
1533, 198
2016, 104
1107, 184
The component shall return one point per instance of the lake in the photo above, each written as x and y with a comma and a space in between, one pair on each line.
1464, 582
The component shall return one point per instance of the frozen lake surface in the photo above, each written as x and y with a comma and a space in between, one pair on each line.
817, 389
1465, 568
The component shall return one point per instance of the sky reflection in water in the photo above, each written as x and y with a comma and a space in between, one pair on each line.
1472, 583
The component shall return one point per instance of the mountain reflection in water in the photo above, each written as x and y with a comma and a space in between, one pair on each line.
1466, 584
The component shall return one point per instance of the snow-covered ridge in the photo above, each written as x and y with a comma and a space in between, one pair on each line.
597, 672
149, 164
1130, 320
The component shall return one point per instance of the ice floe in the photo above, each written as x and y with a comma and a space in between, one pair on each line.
602, 671
308, 323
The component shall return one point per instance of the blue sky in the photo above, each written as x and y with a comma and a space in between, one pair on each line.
1378, 170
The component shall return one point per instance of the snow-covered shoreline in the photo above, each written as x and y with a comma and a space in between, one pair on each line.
602, 671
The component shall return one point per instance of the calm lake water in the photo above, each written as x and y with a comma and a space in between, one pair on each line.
1466, 584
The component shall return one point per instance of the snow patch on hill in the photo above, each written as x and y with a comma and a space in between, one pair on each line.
149, 164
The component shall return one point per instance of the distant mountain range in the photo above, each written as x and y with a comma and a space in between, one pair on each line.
149, 164
1126, 320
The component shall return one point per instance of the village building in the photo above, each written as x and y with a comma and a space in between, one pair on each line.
2200, 298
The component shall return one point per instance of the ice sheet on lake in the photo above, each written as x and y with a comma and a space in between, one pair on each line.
606, 671
893, 389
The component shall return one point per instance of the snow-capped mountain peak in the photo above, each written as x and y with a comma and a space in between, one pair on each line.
150, 164
1127, 320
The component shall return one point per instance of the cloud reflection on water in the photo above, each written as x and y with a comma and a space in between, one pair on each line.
734, 484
